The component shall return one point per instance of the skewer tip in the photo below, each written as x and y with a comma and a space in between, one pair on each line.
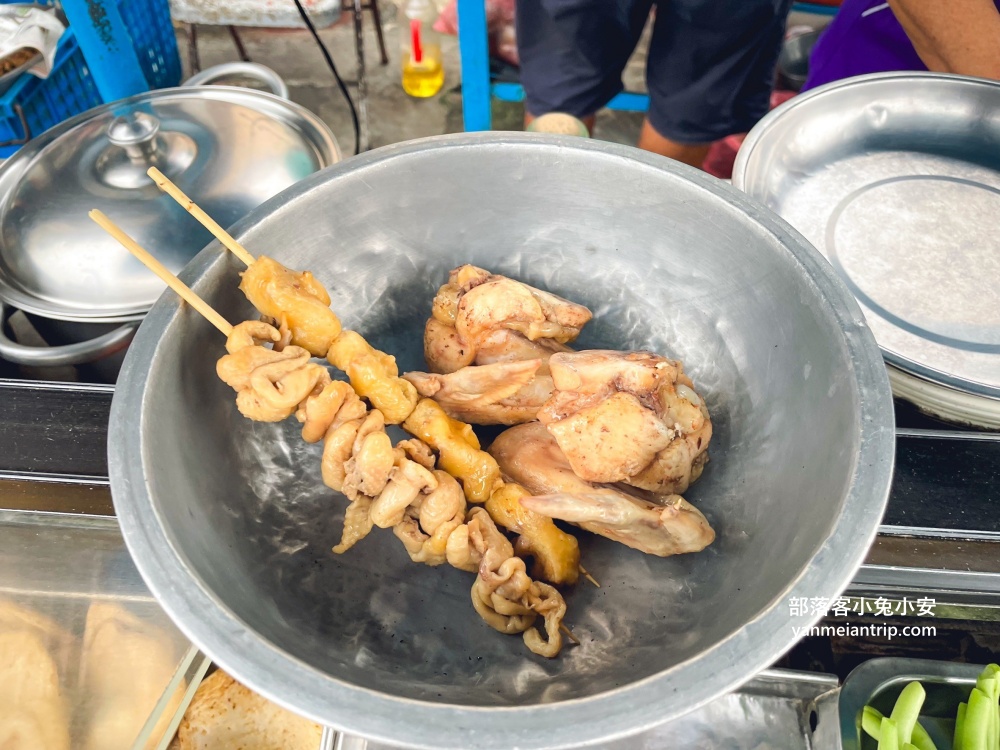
569, 634
589, 577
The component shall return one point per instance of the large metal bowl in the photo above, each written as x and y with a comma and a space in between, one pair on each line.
231, 526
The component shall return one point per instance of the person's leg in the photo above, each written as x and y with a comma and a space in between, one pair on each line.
572, 53
588, 121
710, 72
689, 153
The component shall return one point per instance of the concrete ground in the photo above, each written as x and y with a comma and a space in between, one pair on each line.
393, 115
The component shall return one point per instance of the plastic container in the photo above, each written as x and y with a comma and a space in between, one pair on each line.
104, 665
32, 105
422, 66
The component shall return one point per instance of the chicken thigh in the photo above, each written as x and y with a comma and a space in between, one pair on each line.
657, 525
630, 417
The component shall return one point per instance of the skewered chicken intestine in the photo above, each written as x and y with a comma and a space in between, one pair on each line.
269, 384
503, 594
556, 553
658, 525
628, 417
476, 304
295, 299
373, 375
428, 521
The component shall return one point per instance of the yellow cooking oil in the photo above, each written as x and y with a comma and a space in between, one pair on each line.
426, 77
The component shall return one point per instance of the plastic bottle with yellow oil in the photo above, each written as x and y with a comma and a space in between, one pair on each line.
423, 73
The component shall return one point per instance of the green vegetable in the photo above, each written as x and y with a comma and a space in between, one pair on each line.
959, 726
908, 746
907, 709
871, 723
890, 735
975, 733
989, 684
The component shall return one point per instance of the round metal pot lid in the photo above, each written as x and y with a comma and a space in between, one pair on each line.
229, 149
892, 178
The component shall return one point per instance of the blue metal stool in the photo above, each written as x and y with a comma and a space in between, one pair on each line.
478, 88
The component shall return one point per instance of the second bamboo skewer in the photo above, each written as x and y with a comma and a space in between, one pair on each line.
183, 290
164, 184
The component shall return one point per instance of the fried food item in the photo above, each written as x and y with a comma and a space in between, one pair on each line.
498, 393
618, 417
458, 447
503, 594
373, 375
126, 665
225, 715
294, 300
476, 304
270, 385
657, 525
57, 640
33, 712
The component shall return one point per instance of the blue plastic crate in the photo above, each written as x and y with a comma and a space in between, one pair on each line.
73, 86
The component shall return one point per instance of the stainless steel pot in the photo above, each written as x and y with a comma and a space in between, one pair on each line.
231, 526
228, 148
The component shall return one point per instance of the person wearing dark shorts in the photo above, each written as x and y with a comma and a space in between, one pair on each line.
709, 71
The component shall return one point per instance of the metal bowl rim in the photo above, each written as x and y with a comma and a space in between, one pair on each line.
621, 712
741, 169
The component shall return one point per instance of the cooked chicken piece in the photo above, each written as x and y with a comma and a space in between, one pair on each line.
510, 346
429, 521
336, 404
489, 394
337, 449
657, 525
373, 375
224, 715
618, 417
58, 640
357, 523
296, 300
475, 304
556, 553
407, 482
33, 711
503, 594
126, 666
269, 384
458, 447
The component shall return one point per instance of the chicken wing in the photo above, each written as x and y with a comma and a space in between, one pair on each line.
499, 393
662, 526
627, 417
476, 304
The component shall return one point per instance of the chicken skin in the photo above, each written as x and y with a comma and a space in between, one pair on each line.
630, 417
657, 525
475, 305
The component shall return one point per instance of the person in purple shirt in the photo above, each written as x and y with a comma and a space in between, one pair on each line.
874, 36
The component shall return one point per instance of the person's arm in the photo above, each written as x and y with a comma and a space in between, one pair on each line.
953, 36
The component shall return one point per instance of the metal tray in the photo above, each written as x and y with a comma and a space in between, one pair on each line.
879, 682
777, 710
891, 177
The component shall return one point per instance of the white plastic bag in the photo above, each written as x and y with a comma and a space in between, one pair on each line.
25, 27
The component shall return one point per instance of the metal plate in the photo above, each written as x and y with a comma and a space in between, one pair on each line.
896, 179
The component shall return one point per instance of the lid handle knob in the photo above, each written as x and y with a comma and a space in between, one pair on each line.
136, 133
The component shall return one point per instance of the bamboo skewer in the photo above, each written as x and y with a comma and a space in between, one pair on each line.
183, 290
589, 577
569, 633
164, 184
